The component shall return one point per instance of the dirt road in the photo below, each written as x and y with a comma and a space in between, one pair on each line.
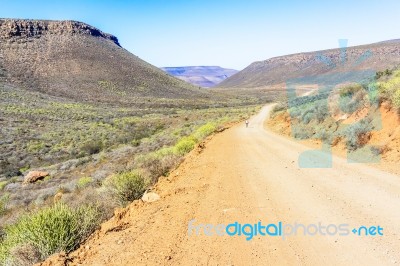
249, 175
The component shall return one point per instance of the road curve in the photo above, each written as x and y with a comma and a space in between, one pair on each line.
249, 175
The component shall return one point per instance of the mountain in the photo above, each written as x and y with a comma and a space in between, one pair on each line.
77, 61
69, 90
278, 70
203, 76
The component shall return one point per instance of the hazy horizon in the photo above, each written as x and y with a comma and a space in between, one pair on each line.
229, 34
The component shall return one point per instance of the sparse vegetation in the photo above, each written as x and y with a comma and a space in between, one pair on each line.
318, 116
71, 140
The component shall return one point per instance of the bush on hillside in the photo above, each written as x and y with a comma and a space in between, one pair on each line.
92, 147
204, 131
396, 97
127, 187
391, 88
3, 184
53, 229
185, 145
160, 165
351, 98
3, 203
354, 132
84, 182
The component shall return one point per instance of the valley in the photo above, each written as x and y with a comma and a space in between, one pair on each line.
105, 158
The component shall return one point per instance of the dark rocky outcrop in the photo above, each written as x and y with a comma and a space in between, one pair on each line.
24, 28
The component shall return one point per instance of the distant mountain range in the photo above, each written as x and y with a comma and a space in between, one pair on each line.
203, 76
278, 70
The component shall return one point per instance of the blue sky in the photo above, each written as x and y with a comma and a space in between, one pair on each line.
231, 34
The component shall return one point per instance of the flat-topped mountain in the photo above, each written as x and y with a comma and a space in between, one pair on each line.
77, 61
277, 70
203, 76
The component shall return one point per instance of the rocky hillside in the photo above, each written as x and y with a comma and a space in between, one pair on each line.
203, 76
77, 61
278, 70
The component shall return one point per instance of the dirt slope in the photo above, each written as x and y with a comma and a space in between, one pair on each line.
387, 137
251, 175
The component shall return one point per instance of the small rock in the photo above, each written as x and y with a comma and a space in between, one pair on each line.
202, 145
150, 197
34, 176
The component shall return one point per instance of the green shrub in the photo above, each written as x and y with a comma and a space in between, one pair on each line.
35, 146
160, 166
396, 97
281, 106
301, 133
295, 112
307, 116
185, 145
354, 132
3, 203
3, 184
159, 163
390, 89
324, 135
204, 131
53, 229
127, 187
348, 105
164, 152
24, 169
351, 98
84, 182
321, 111
92, 147
350, 90
380, 74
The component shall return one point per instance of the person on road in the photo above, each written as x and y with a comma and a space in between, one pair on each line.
247, 123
